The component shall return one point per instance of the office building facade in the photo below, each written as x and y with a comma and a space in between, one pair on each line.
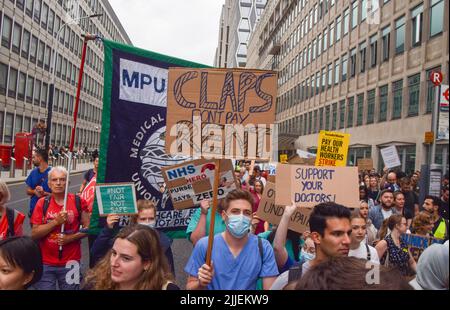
356, 66
29, 41
237, 21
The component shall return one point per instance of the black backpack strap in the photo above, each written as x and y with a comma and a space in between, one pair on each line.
260, 248
45, 207
78, 206
369, 256
295, 272
10, 219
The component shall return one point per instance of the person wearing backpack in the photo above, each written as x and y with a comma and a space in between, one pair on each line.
330, 228
11, 220
47, 219
238, 258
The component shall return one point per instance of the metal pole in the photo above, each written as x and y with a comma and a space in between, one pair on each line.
434, 124
12, 168
25, 167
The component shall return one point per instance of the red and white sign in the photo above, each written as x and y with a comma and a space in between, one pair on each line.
443, 102
88, 193
436, 78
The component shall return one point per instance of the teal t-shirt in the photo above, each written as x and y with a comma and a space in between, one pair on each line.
219, 224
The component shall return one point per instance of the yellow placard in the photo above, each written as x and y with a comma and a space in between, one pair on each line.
283, 158
332, 148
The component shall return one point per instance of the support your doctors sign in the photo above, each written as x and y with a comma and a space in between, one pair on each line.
308, 186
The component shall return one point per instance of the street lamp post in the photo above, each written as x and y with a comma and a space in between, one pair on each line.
52, 84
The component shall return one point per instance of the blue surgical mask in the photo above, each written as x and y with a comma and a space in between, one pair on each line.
307, 256
238, 225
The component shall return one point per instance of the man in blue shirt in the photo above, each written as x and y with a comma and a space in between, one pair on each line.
37, 181
238, 258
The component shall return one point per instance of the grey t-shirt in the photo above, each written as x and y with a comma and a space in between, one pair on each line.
282, 279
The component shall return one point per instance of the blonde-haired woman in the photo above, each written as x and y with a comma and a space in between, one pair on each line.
135, 262
11, 220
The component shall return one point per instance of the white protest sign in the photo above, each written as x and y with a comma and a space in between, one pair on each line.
390, 157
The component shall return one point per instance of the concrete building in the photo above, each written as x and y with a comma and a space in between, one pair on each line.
28, 43
356, 66
237, 21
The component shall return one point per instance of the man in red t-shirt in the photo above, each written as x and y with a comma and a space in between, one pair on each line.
47, 229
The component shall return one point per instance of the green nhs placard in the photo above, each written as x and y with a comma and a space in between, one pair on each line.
116, 198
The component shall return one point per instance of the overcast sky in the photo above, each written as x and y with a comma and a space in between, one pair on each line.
185, 29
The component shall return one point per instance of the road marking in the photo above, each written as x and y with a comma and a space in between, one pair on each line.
25, 199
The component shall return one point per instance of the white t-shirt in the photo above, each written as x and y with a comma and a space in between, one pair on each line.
361, 252
283, 279
386, 214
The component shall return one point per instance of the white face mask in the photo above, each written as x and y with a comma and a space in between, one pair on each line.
151, 224
307, 256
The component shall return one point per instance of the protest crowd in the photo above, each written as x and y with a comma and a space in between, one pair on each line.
341, 248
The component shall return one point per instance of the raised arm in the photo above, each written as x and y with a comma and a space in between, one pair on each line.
279, 242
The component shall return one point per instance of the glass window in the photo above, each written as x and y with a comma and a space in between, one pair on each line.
12, 88
386, 38
416, 21
309, 122
400, 35
30, 88
338, 28
37, 10
363, 10
51, 21
346, 20
330, 75
354, 14
336, 71
324, 78
353, 62
383, 103
436, 17
431, 89
370, 106
27, 124
344, 67
414, 89
397, 89
44, 16
321, 119
360, 111
33, 49
41, 51
21, 88
334, 117
325, 43
362, 57
25, 43
37, 92
3, 78
331, 34
18, 124
9, 123
6, 31
17, 38
327, 118
29, 7
373, 51
342, 114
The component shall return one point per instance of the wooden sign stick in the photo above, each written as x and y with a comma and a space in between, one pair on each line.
213, 211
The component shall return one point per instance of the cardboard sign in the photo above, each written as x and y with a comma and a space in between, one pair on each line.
390, 157
221, 113
332, 149
272, 213
119, 198
193, 181
365, 164
88, 193
296, 160
417, 244
309, 186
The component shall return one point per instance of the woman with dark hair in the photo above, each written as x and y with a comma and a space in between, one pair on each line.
363, 193
20, 263
135, 262
371, 231
257, 192
350, 273
392, 250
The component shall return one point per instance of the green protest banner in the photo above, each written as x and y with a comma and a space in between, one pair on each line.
118, 198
